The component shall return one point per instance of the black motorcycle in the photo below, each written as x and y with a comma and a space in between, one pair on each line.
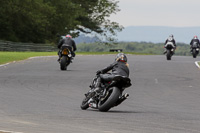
110, 96
169, 50
195, 50
66, 57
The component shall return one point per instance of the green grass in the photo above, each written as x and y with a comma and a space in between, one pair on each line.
115, 53
6, 57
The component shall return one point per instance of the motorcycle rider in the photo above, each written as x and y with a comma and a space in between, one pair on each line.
118, 67
194, 40
68, 41
170, 39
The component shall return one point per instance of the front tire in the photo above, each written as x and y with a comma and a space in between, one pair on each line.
84, 104
110, 100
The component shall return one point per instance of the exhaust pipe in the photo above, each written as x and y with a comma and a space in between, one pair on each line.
122, 98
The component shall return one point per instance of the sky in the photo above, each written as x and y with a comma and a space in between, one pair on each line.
175, 13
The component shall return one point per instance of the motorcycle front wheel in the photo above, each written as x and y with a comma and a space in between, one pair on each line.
85, 104
109, 100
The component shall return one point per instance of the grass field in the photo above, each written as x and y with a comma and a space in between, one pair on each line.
6, 57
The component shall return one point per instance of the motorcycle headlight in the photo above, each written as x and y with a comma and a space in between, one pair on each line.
197, 49
70, 55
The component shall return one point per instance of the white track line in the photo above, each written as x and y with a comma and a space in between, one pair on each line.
4, 131
197, 64
25, 59
4, 64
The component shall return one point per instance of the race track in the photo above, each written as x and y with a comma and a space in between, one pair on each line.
36, 97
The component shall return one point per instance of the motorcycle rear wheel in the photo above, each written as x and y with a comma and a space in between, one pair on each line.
194, 53
168, 55
110, 100
63, 63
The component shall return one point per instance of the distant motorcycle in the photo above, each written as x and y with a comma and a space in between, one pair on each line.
195, 50
110, 96
66, 57
169, 50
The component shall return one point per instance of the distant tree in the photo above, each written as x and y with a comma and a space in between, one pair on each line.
43, 20
135, 47
25, 20
95, 18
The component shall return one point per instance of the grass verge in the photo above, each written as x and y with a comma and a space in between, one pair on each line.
101, 53
6, 57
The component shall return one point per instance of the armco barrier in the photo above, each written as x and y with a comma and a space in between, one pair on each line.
17, 46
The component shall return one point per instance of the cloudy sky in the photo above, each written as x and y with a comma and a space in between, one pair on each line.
176, 13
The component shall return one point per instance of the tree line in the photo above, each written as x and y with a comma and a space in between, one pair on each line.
135, 47
42, 21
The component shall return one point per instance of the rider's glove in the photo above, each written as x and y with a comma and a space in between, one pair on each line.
98, 72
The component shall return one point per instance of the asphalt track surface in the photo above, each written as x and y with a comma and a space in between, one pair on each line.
36, 97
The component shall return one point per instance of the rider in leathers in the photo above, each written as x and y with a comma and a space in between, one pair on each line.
119, 67
68, 41
194, 40
170, 39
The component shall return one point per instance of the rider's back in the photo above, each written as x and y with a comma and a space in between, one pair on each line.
121, 68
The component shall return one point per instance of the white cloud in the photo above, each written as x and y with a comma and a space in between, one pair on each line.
158, 12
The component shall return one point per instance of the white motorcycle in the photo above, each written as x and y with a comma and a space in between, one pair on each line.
170, 50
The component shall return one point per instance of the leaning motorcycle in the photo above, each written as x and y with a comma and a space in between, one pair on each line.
109, 96
66, 57
169, 50
195, 50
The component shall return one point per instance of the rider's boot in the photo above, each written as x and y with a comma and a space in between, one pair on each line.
58, 59
72, 60
98, 86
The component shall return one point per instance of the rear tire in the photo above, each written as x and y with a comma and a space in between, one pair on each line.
110, 101
194, 53
168, 55
63, 63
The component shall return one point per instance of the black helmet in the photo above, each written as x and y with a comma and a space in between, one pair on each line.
121, 57
171, 35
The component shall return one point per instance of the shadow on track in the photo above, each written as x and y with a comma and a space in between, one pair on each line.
117, 111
